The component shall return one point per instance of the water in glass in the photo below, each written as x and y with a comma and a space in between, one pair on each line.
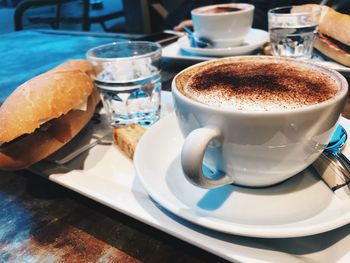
293, 42
137, 100
293, 30
127, 75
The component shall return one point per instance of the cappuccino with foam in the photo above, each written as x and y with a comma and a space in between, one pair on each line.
255, 85
255, 120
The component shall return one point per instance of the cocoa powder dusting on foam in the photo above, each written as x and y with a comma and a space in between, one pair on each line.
260, 87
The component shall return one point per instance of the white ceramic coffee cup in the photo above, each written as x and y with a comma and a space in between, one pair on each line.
258, 148
223, 29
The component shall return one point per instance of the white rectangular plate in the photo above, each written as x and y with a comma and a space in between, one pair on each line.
106, 175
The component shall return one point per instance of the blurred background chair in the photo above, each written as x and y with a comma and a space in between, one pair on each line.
129, 16
70, 14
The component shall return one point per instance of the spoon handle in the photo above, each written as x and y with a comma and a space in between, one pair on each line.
189, 31
343, 160
190, 36
333, 173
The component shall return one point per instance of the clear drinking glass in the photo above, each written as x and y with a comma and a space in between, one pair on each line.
293, 32
127, 75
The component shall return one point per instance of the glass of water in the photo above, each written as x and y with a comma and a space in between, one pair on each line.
127, 75
293, 30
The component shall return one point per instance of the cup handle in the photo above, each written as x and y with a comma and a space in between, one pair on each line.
192, 156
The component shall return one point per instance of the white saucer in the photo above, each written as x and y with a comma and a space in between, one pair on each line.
301, 206
255, 39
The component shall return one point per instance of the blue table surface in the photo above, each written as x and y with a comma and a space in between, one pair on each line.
25, 54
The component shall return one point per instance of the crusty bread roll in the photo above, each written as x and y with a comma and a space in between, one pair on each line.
41, 99
335, 25
332, 23
334, 33
45, 113
326, 47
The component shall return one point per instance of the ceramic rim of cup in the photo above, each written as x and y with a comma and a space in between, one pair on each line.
245, 7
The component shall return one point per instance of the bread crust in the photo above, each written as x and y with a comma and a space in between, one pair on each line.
43, 98
127, 137
332, 23
332, 52
40, 144
80, 64
335, 25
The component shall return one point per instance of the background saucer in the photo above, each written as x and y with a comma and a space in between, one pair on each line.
255, 39
301, 206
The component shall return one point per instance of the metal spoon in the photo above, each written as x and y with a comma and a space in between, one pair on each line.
336, 144
195, 41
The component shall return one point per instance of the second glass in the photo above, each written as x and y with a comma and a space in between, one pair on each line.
293, 31
128, 77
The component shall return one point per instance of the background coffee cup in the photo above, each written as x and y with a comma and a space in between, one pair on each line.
258, 148
224, 29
